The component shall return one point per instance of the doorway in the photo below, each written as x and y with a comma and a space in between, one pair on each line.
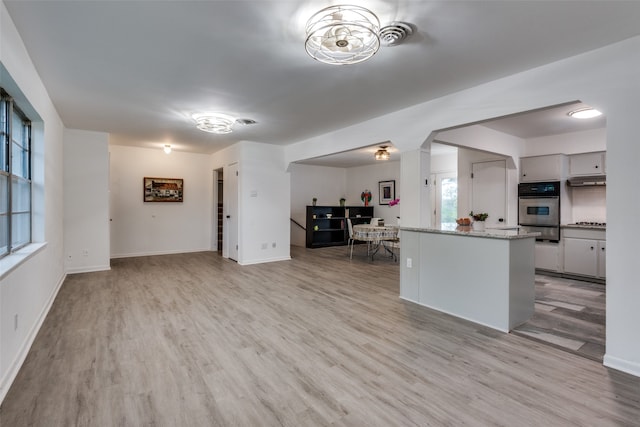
218, 210
445, 199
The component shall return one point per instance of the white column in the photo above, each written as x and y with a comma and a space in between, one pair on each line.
415, 203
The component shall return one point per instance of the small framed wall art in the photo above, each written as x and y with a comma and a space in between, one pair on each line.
163, 189
387, 191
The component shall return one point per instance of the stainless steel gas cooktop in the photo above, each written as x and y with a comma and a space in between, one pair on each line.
590, 224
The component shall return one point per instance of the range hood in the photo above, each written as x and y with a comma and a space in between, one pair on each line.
587, 181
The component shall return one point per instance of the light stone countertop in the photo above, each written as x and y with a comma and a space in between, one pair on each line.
491, 233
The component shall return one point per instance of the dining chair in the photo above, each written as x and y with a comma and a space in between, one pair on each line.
352, 239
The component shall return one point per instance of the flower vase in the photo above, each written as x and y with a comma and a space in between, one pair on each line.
478, 225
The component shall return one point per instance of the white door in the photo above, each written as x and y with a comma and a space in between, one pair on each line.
444, 198
231, 211
214, 216
489, 190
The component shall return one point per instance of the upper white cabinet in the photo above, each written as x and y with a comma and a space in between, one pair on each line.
587, 164
543, 168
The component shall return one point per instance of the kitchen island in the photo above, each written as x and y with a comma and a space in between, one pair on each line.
487, 277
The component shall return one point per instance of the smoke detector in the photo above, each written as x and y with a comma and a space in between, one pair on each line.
395, 33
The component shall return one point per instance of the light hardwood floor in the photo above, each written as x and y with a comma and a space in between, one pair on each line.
196, 340
570, 314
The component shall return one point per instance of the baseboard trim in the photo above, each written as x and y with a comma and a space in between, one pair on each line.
139, 254
18, 361
265, 260
618, 364
93, 269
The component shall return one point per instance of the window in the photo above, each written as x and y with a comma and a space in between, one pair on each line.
15, 176
444, 199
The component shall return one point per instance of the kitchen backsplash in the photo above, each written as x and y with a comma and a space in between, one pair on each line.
589, 204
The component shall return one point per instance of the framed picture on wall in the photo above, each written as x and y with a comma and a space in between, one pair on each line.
387, 191
163, 189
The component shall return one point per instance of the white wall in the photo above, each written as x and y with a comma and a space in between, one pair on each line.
327, 184
264, 195
367, 178
567, 143
28, 290
146, 228
444, 163
86, 201
588, 204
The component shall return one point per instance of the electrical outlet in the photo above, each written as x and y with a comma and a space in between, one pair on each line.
409, 263
264, 246
273, 245
85, 252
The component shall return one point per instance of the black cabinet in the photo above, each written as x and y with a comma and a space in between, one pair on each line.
327, 225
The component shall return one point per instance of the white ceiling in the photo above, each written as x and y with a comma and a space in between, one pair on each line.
139, 69
526, 125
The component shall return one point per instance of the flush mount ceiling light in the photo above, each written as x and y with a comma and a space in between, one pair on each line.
382, 153
342, 34
214, 122
585, 113
167, 148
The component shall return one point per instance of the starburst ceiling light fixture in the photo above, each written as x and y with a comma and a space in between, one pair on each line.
584, 113
382, 153
342, 34
214, 122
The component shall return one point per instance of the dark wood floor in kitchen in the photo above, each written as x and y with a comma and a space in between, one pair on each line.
570, 315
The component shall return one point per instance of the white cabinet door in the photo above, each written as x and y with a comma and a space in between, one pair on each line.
581, 256
542, 168
547, 256
587, 164
602, 259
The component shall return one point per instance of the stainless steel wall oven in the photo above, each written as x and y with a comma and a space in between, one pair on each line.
539, 209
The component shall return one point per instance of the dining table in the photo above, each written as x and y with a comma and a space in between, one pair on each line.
375, 236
